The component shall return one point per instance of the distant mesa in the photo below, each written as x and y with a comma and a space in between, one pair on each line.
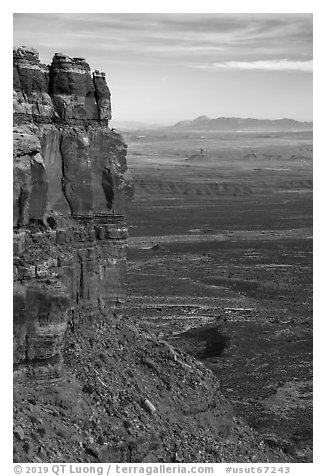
239, 124
201, 118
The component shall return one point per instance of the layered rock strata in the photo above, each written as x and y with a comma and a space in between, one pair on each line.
65, 91
71, 185
125, 395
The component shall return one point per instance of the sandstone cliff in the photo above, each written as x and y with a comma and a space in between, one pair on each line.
91, 384
70, 189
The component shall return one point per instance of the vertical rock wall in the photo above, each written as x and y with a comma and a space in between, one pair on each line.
71, 185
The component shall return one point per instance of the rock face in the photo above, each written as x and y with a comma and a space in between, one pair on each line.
71, 186
122, 395
64, 92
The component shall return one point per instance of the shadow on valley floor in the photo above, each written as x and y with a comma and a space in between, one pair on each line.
203, 342
220, 265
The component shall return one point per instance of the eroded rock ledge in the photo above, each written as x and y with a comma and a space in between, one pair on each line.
71, 185
66, 91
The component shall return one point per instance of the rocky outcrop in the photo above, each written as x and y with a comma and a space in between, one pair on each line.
93, 385
65, 91
130, 397
71, 185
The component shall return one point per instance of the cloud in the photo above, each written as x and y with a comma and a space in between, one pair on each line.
260, 65
196, 38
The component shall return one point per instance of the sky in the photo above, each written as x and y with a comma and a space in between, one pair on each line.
165, 67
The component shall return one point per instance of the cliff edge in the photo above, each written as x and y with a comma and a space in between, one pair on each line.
71, 185
91, 385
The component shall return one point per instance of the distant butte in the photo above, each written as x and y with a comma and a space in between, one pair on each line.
248, 124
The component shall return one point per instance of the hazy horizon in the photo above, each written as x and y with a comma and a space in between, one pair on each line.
194, 118
165, 68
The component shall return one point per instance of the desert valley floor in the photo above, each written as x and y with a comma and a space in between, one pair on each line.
220, 265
